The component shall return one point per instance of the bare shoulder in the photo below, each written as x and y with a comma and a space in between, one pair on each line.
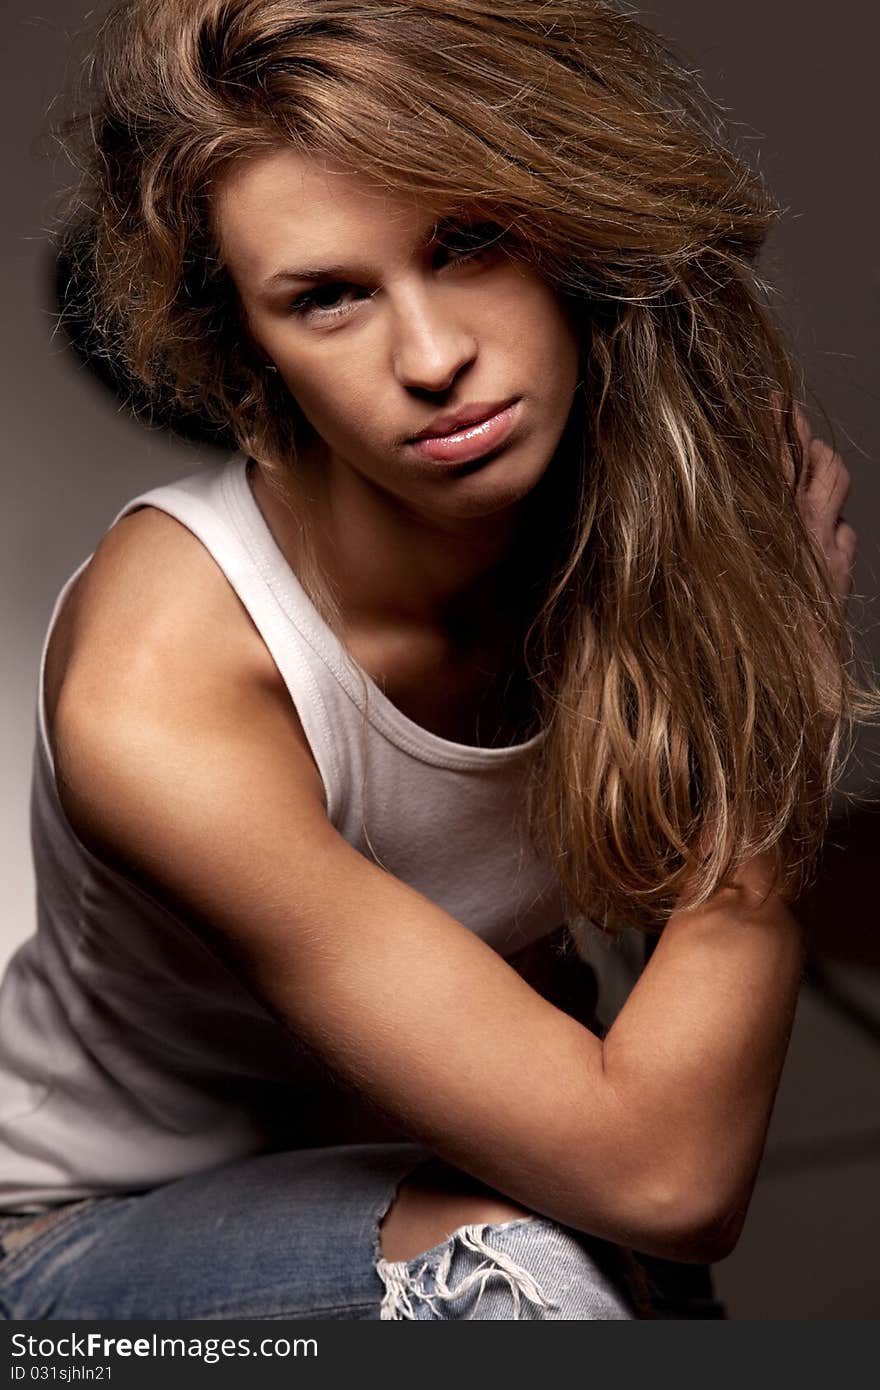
151, 594
152, 635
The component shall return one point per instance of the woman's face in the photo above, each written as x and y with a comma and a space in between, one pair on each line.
384, 323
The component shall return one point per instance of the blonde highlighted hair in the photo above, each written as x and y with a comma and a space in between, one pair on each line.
692, 665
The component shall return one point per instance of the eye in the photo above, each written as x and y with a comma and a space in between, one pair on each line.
328, 301
467, 241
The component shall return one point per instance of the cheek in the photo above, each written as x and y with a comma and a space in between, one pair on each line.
333, 398
541, 329
561, 339
568, 368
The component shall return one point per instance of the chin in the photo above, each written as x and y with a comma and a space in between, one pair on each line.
489, 486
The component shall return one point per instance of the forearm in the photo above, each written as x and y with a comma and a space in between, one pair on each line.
696, 1053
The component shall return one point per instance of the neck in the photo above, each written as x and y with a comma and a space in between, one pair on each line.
390, 565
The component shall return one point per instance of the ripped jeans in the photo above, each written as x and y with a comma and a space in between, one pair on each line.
295, 1235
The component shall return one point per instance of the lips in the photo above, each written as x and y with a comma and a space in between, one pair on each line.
468, 433
452, 421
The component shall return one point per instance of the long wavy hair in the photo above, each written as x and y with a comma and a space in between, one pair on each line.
692, 665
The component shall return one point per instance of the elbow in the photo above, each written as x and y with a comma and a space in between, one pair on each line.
691, 1226
705, 1243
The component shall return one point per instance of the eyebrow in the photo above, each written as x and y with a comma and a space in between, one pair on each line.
343, 272
310, 273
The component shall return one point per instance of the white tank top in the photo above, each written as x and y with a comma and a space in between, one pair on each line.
129, 1055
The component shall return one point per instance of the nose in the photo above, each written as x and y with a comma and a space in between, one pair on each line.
431, 345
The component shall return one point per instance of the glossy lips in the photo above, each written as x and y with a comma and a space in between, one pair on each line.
468, 441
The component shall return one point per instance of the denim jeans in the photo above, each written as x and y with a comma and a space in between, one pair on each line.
296, 1235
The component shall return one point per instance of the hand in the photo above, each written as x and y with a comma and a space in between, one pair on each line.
822, 491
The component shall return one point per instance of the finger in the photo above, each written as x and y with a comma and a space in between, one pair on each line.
776, 407
824, 463
839, 560
843, 583
840, 491
846, 538
788, 461
802, 424
804, 436
843, 564
829, 483
843, 580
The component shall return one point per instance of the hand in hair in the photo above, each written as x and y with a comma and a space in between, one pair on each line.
823, 489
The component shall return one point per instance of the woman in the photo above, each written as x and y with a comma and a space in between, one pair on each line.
520, 608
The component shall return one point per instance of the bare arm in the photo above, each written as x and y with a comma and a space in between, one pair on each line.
188, 770
742, 957
699, 1045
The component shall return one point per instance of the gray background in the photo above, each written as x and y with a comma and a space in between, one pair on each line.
799, 86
